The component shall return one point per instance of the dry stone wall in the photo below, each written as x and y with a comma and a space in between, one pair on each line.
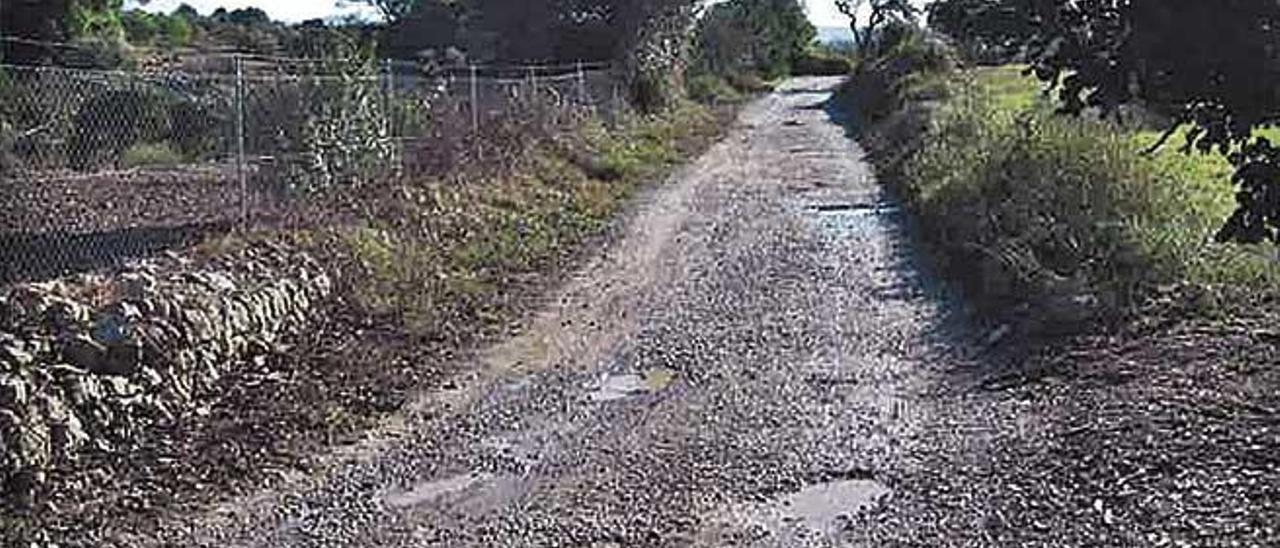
86, 362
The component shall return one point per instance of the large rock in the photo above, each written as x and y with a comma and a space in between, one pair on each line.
138, 286
14, 357
66, 315
67, 436
123, 360
14, 393
85, 352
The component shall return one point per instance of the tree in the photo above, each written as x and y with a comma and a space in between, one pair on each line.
1212, 65
881, 12
768, 36
992, 30
394, 10
432, 25
185, 11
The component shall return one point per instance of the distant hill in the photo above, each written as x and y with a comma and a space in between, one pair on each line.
830, 35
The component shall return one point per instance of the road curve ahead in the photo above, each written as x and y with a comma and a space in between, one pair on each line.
745, 366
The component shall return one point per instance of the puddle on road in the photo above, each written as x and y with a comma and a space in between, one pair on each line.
819, 510
616, 387
473, 493
434, 490
848, 219
823, 507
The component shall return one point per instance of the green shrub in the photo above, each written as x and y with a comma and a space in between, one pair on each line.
441, 258
749, 82
150, 155
820, 64
1030, 208
712, 90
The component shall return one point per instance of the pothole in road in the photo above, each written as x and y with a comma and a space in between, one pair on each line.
818, 510
862, 208
431, 491
616, 387
470, 493
824, 507
849, 219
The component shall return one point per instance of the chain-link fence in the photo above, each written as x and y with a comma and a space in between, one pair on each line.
96, 166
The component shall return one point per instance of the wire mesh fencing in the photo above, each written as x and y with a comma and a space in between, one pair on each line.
97, 166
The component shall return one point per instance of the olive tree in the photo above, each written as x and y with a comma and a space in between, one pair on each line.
879, 14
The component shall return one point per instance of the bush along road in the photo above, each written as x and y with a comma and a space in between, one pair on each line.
751, 362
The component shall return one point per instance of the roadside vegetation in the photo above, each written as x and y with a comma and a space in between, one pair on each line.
454, 245
1051, 218
1100, 180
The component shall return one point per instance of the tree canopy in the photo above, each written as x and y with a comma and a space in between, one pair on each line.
767, 36
881, 13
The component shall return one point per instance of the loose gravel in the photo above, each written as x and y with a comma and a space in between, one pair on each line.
760, 361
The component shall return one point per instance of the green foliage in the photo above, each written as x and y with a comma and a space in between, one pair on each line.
989, 31
914, 62
111, 122
97, 18
441, 262
881, 13
150, 29
334, 125
1028, 208
150, 155
1207, 64
822, 64
766, 36
711, 89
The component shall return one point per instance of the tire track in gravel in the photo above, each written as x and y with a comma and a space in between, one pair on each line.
748, 365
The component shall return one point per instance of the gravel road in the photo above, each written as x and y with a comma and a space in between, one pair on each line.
747, 365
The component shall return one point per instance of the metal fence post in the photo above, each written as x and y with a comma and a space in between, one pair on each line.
475, 104
241, 176
389, 118
475, 113
582, 86
533, 83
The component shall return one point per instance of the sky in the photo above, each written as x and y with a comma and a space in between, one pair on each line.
823, 13
292, 11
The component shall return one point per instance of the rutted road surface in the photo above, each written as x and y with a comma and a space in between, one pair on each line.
747, 365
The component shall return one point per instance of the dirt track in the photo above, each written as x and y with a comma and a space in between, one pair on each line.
758, 361
752, 349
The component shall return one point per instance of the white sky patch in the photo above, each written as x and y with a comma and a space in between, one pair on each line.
823, 13
291, 11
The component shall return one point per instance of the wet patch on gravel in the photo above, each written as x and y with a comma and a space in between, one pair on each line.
616, 387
